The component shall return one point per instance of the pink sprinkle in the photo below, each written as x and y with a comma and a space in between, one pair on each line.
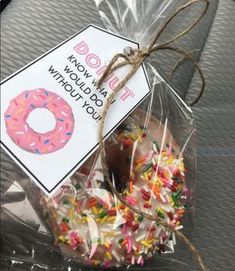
124, 229
131, 200
139, 259
107, 264
142, 262
162, 198
175, 171
169, 150
166, 182
73, 240
150, 155
129, 245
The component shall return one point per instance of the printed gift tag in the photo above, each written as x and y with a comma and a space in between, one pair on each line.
50, 109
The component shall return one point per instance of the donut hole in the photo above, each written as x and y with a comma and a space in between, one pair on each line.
41, 120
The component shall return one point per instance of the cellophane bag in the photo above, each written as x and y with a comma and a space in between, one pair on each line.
151, 163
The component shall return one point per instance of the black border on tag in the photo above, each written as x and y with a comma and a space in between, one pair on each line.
39, 58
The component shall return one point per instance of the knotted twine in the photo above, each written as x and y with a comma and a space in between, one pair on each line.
135, 58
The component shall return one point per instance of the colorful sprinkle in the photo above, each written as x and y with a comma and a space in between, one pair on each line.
105, 227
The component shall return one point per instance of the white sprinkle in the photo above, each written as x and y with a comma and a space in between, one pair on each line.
158, 232
132, 260
154, 148
62, 141
162, 198
150, 155
63, 113
173, 239
137, 231
134, 247
167, 198
142, 225
141, 237
60, 129
136, 188
139, 260
168, 190
179, 228
35, 97
119, 246
142, 177
32, 144
64, 208
79, 216
115, 255
152, 194
19, 133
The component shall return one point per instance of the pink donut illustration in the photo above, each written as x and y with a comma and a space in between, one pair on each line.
24, 136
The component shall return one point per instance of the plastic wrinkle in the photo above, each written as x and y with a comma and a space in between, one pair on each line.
151, 159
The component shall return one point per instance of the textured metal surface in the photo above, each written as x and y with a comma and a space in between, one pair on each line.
30, 28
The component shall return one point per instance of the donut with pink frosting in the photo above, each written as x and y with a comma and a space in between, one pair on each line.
24, 136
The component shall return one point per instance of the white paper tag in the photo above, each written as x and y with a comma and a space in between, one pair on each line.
50, 109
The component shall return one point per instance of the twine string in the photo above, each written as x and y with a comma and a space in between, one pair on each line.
135, 60
180, 61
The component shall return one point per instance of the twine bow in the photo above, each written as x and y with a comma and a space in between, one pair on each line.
135, 58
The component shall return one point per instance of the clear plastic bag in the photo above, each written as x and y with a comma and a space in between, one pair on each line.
151, 160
